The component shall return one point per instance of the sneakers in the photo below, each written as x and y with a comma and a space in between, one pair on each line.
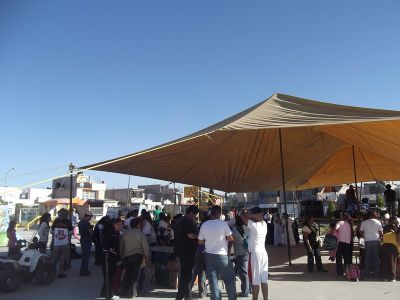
87, 273
61, 275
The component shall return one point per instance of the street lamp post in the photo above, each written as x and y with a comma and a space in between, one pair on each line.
5, 186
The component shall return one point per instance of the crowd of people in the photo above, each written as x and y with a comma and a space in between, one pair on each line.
209, 247
378, 241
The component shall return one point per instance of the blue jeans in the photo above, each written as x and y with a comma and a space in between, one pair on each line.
86, 247
352, 208
220, 265
372, 258
241, 268
199, 270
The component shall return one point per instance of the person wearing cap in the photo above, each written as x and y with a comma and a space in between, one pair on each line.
86, 233
61, 230
258, 254
215, 235
135, 252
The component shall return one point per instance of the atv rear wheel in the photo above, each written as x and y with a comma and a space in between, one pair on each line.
45, 273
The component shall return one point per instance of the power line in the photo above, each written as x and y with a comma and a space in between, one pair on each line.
34, 172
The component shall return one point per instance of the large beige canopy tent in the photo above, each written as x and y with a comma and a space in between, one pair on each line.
282, 142
242, 153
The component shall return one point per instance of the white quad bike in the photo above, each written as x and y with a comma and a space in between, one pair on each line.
31, 264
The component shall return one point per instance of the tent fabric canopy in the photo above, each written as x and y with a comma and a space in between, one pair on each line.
242, 153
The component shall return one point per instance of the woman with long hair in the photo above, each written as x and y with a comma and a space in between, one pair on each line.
345, 235
13, 249
310, 239
43, 232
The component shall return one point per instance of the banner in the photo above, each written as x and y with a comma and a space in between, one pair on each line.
190, 191
4, 220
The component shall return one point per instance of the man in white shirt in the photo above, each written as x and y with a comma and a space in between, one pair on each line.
215, 235
258, 254
372, 232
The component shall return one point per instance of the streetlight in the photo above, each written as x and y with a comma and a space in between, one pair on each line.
5, 185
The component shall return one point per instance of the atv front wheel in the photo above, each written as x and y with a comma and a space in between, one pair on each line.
9, 280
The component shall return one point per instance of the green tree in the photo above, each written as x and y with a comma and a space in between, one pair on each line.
331, 209
379, 201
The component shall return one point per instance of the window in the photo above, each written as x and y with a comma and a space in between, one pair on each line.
87, 194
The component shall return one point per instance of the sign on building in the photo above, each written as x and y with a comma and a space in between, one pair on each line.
190, 191
81, 178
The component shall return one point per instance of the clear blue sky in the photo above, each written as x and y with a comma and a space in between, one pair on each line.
84, 81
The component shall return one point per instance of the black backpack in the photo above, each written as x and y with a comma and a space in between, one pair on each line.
330, 242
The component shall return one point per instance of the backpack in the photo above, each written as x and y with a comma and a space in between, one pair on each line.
353, 272
330, 242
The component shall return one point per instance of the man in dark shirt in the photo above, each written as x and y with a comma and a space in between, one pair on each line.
390, 199
186, 232
351, 200
86, 234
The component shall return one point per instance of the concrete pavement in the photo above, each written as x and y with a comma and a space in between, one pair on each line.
285, 283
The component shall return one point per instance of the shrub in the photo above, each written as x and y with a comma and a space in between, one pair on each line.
379, 201
331, 209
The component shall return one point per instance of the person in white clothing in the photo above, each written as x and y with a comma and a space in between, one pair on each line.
292, 241
215, 235
258, 254
277, 230
372, 232
129, 217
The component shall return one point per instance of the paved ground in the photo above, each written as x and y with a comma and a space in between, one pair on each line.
285, 283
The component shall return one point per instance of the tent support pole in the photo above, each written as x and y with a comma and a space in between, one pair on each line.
71, 179
284, 198
355, 179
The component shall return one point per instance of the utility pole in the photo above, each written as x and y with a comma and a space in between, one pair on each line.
71, 179
174, 200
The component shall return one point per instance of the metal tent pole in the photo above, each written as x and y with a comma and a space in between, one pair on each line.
71, 177
355, 179
284, 198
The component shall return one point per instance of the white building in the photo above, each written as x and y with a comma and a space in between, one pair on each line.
32, 196
10, 195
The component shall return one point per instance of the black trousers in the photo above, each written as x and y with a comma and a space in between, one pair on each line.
112, 267
391, 208
343, 252
199, 270
131, 277
184, 285
310, 261
98, 254
389, 255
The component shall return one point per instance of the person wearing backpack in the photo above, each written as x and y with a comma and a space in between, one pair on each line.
345, 235
311, 242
